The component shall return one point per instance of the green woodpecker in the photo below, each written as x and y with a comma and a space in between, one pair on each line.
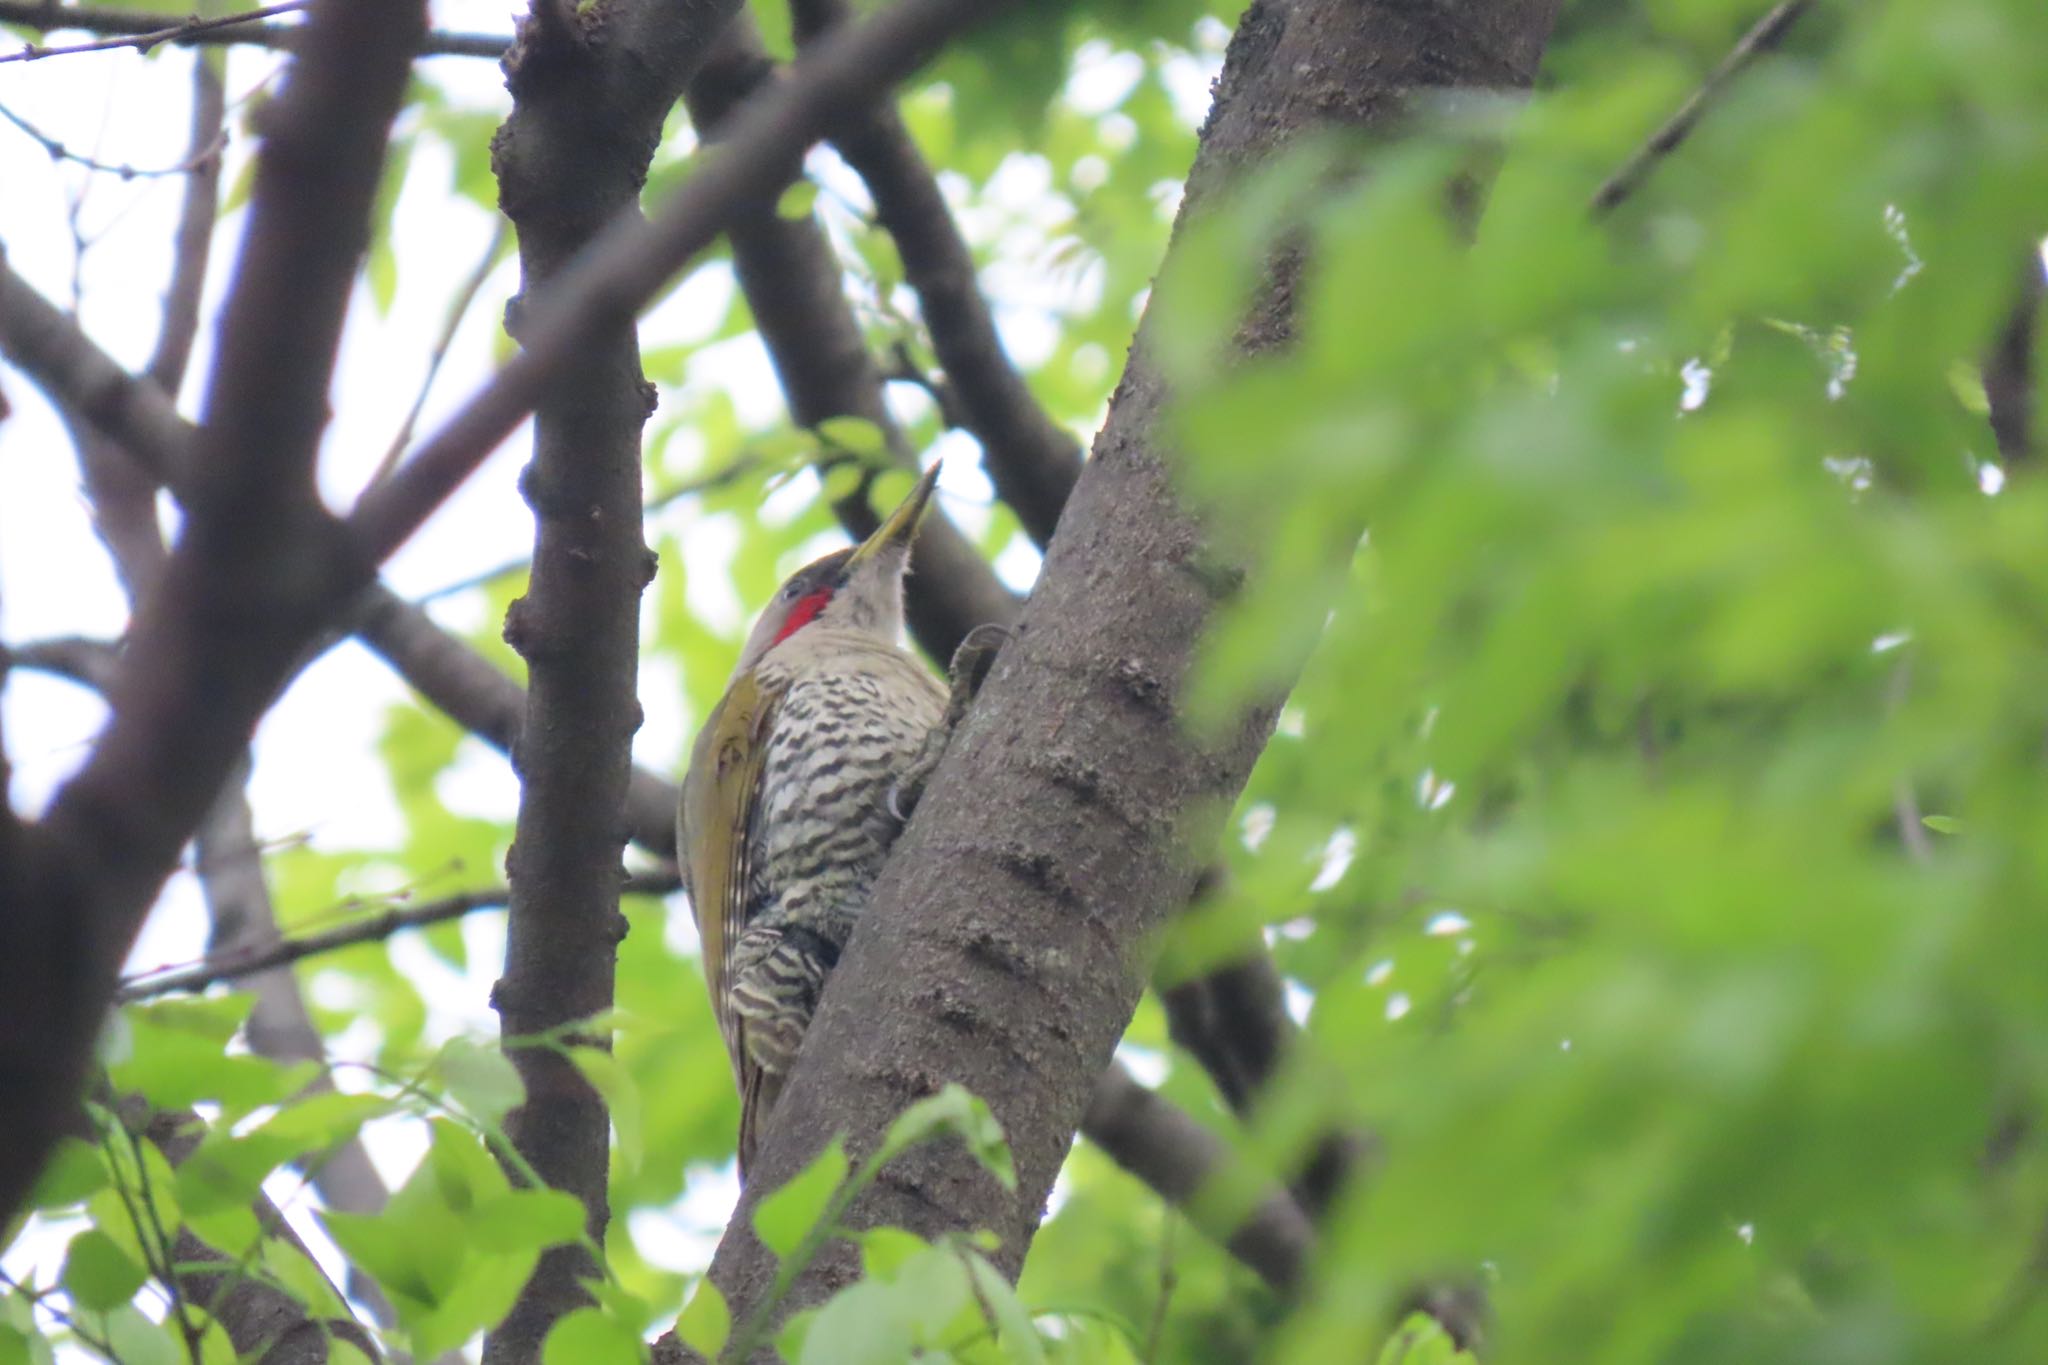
790, 802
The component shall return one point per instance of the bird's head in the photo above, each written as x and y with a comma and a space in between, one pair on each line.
860, 588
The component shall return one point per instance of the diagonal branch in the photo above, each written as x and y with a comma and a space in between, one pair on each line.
1031, 459
1184, 1163
794, 286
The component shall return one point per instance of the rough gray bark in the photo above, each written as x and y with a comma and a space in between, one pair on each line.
590, 90
1007, 945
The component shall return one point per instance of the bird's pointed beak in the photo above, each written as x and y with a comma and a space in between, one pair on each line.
900, 527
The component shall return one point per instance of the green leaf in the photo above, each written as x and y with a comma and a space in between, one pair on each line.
589, 1336
414, 1264
959, 1113
481, 1079
861, 1325
854, 436
138, 1341
795, 1331
884, 1251
610, 1079
225, 1171
75, 1171
797, 200
523, 1220
1014, 1330
380, 271
784, 1218
98, 1274
176, 1057
342, 1351
1421, 1340
1942, 824
840, 481
322, 1119
706, 1322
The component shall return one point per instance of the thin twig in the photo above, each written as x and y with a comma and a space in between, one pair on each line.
458, 309
1766, 35
230, 966
58, 152
170, 33
235, 30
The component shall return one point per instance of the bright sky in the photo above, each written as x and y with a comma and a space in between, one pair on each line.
317, 776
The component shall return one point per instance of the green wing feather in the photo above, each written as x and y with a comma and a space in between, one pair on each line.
717, 806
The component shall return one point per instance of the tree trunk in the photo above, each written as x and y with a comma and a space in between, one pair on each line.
1006, 948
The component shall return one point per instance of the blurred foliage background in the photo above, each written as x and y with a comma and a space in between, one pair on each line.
1656, 850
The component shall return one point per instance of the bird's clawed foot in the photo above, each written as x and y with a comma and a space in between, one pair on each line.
971, 664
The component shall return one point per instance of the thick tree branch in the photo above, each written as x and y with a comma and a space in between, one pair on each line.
2009, 372
1006, 945
587, 109
1234, 1021
182, 30
1182, 1162
794, 286
1030, 458
227, 858
259, 565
